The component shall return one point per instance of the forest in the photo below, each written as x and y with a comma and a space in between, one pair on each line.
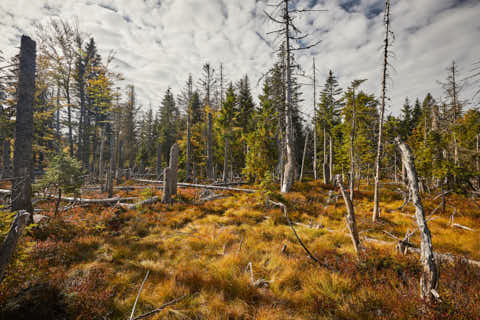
218, 205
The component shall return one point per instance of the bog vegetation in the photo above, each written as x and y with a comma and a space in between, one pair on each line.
215, 207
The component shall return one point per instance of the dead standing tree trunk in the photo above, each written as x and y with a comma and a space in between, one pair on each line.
170, 176
210, 174
376, 208
22, 156
430, 275
351, 223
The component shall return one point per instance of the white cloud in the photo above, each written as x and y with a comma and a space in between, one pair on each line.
158, 42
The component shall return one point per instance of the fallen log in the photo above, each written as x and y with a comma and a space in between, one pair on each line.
201, 186
88, 201
443, 257
131, 206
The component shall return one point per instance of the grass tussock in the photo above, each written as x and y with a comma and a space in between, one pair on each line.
90, 261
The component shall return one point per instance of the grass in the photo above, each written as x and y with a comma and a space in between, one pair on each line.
95, 258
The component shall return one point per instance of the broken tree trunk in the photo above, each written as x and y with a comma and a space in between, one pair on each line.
351, 223
201, 186
303, 157
170, 176
429, 278
22, 154
22, 219
139, 204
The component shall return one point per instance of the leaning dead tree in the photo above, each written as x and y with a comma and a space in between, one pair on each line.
430, 275
170, 176
22, 154
388, 35
290, 33
351, 223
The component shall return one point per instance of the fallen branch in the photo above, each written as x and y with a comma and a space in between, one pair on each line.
201, 186
284, 207
138, 204
441, 194
138, 295
444, 257
88, 201
163, 306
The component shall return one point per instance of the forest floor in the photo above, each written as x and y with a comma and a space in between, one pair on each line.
89, 262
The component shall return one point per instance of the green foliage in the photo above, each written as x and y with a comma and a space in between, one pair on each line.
63, 173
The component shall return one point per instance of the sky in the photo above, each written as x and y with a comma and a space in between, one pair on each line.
157, 43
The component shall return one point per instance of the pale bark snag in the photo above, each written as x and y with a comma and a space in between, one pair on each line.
170, 176
289, 170
376, 208
350, 218
22, 156
430, 275
303, 157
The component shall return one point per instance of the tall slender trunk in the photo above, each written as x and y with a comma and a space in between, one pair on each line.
330, 140
352, 150
430, 275
111, 169
159, 161
289, 171
225, 160
120, 162
189, 151
100, 160
23, 153
326, 176
209, 147
69, 120
303, 157
314, 122
376, 209
57, 121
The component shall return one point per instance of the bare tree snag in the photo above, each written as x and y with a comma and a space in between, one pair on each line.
314, 122
303, 157
170, 176
22, 155
159, 161
6, 171
351, 223
209, 148
7, 249
430, 276
376, 209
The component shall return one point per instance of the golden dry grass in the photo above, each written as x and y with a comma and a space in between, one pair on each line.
202, 250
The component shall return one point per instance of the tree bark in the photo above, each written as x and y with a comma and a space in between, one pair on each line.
209, 147
303, 157
189, 147
351, 223
330, 140
314, 122
159, 161
289, 171
376, 209
100, 160
111, 169
326, 177
352, 144
225, 161
6, 171
22, 156
430, 275
170, 176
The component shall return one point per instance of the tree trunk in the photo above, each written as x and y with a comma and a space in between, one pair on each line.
170, 176
303, 157
376, 209
352, 150
289, 172
100, 160
69, 120
430, 275
326, 177
225, 161
6, 171
22, 219
120, 162
22, 155
111, 170
314, 122
209, 148
189, 148
351, 223
330, 140
159, 161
